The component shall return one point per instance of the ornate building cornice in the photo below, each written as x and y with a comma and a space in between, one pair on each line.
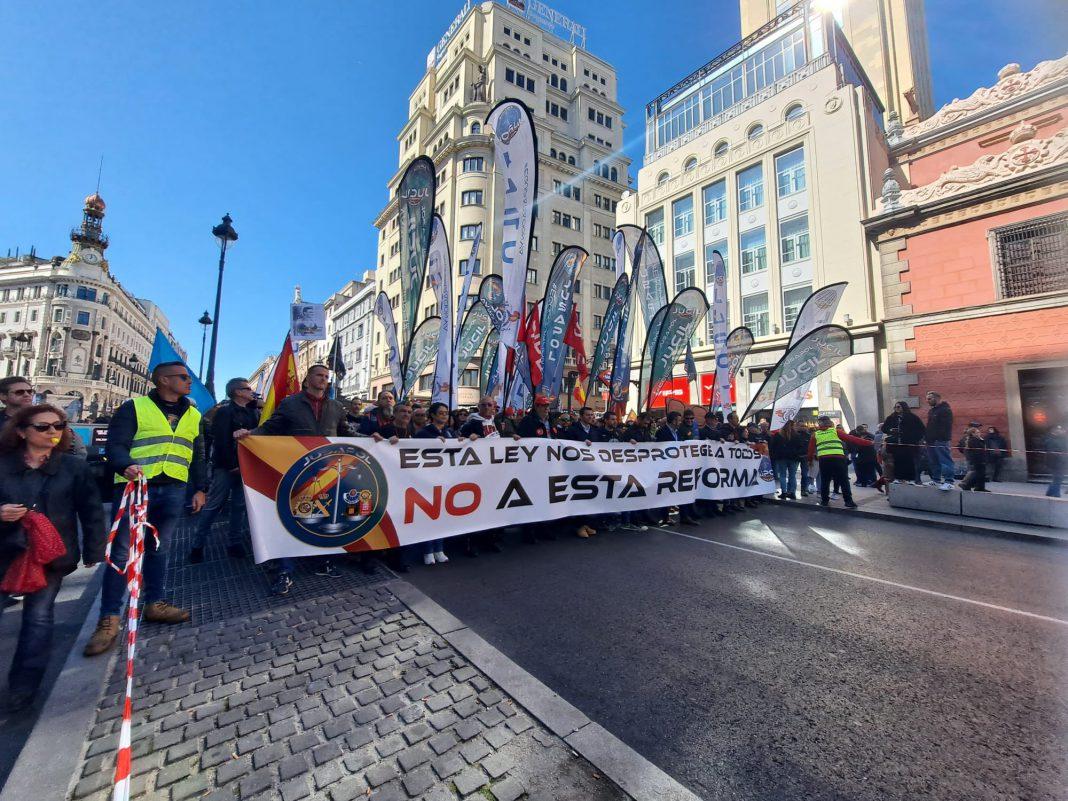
1011, 86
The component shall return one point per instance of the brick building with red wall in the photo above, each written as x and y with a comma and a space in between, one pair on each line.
972, 242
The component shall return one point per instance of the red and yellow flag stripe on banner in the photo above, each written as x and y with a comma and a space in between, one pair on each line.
264, 460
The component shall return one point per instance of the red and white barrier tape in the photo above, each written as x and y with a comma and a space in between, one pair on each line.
135, 503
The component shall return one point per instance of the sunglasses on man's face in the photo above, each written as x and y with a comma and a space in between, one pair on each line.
43, 427
21, 392
180, 376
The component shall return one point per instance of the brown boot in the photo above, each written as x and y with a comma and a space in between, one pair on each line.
163, 612
107, 631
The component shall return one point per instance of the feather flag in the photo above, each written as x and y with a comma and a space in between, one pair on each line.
284, 381
573, 339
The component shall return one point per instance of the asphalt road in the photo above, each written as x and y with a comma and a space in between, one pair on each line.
801, 655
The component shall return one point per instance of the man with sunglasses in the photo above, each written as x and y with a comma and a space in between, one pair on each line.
156, 436
237, 412
16, 393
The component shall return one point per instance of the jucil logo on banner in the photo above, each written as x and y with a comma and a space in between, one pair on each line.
332, 496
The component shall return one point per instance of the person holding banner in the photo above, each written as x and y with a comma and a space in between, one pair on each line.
156, 436
828, 445
379, 416
671, 432
39, 478
437, 428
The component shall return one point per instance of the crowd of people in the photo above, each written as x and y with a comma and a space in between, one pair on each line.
51, 512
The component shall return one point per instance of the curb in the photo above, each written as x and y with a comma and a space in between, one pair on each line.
949, 523
634, 774
47, 766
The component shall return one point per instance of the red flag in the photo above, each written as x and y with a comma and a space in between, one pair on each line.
284, 380
573, 339
530, 333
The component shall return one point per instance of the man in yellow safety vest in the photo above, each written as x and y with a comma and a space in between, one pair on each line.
828, 445
156, 436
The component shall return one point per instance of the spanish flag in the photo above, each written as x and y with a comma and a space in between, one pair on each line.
284, 381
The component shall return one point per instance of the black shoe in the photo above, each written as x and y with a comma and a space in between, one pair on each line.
9, 601
20, 700
196, 556
825, 503
330, 571
236, 551
281, 585
850, 505
792, 496
805, 493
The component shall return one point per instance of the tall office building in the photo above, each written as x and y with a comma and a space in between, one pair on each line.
771, 154
492, 51
889, 38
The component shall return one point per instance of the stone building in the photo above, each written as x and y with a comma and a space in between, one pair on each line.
972, 238
348, 317
70, 326
495, 50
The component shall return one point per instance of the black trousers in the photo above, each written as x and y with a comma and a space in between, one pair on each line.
904, 462
975, 479
833, 468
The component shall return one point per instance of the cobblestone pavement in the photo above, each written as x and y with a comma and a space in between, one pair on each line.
337, 692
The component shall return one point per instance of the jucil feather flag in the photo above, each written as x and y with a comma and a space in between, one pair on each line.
685, 313
424, 346
384, 314
739, 343
555, 317
719, 330
439, 274
515, 149
473, 333
472, 266
818, 309
284, 380
609, 329
415, 211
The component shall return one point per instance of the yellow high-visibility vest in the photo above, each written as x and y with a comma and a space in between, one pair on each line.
827, 443
158, 449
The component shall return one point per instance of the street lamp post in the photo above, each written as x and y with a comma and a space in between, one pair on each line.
205, 321
134, 384
225, 235
22, 339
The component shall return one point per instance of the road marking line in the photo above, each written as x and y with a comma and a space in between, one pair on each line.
867, 578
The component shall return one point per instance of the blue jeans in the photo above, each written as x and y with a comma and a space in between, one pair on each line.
786, 475
35, 636
806, 480
165, 505
433, 546
225, 485
1054, 489
941, 460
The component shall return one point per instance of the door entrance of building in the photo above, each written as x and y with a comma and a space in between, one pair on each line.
1044, 399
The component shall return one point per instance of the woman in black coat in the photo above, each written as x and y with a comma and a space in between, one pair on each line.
902, 433
37, 474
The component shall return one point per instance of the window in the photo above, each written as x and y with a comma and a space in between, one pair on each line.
598, 322
755, 132
1032, 257
790, 172
469, 378
691, 163
563, 85
33, 315
557, 247
83, 318
477, 270
474, 164
794, 112
793, 239
18, 317
654, 223
721, 149
685, 273
468, 231
62, 290
721, 246
532, 276
754, 251
715, 198
601, 292
57, 316
792, 300
425, 381
682, 213
751, 188
3, 317
662, 179
755, 314
472, 197
476, 128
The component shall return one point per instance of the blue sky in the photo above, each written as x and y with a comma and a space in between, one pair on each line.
284, 114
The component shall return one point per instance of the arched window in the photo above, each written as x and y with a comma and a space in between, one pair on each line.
794, 111
552, 152
721, 149
604, 171
754, 132
615, 175
563, 156
563, 84
476, 128
691, 163
571, 160
662, 179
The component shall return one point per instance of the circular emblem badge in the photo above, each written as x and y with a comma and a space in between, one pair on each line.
333, 496
765, 470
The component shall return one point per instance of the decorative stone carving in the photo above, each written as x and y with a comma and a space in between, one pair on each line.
891, 195
1011, 85
1028, 155
1022, 132
478, 86
894, 129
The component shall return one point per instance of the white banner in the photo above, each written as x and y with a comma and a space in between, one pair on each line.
307, 322
384, 313
308, 496
818, 309
719, 332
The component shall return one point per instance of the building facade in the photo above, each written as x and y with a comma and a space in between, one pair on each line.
889, 38
493, 51
972, 236
771, 154
349, 318
70, 327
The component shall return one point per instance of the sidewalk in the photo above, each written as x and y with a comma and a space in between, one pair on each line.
872, 503
337, 692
